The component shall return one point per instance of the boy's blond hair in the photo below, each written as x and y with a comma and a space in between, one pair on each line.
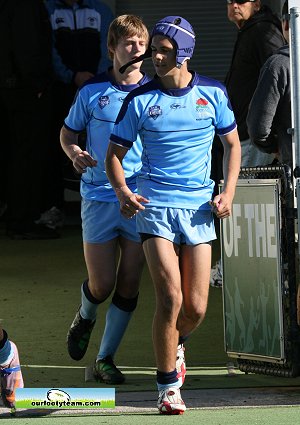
125, 26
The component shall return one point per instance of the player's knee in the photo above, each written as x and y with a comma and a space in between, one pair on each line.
129, 291
125, 304
195, 314
101, 290
128, 286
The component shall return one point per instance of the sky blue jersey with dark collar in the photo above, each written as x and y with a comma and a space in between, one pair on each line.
95, 110
176, 128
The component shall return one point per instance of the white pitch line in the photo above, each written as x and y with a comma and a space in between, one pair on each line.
83, 367
52, 366
200, 368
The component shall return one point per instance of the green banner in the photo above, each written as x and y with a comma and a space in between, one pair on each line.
252, 278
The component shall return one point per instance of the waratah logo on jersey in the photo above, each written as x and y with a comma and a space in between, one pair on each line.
103, 101
202, 108
154, 111
201, 103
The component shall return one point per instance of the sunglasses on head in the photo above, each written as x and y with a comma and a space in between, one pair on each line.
240, 1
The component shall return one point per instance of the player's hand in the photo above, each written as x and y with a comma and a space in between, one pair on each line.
221, 205
130, 203
82, 160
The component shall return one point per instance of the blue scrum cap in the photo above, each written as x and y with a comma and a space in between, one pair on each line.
181, 32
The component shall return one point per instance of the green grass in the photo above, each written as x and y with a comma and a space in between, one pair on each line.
253, 416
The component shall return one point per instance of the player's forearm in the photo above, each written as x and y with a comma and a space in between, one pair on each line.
69, 143
231, 167
114, 170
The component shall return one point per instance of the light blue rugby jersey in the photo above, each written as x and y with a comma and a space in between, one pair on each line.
95, 109
177, 128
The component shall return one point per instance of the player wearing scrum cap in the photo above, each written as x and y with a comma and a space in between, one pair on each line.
176, 116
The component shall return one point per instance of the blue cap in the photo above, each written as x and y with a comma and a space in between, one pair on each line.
181, 32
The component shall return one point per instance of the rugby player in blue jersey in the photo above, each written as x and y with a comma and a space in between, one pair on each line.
105, 230
176, 115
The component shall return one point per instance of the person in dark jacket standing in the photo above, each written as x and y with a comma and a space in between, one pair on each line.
79, 39
79, 32
269, 116
25, 107
259, 36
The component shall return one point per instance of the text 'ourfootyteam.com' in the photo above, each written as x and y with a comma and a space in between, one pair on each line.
65, 403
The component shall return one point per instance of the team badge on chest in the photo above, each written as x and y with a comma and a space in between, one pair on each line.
103, 101
154, 111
